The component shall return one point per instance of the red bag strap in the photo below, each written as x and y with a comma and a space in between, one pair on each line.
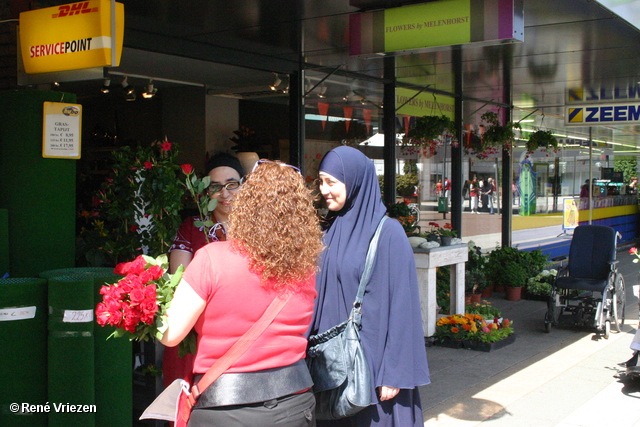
239, 348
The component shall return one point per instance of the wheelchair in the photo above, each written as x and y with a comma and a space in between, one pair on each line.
589, 291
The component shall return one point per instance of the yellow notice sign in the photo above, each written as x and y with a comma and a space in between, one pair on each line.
61, 130
431, 24
424, 104
570, 217
71, 36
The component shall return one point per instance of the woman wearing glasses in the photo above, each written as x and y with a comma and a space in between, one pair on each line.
227, 287
226, 173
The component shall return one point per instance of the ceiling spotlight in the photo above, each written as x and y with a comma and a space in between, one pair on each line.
105, 85
129, 91
150, 92
56, 84
323, 90
347, 96
276, 82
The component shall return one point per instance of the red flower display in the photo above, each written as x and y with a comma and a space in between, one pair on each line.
187, 168
133, 299
166, 145
137, 303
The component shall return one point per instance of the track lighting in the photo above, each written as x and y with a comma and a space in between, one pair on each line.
150, 92
276, 82
129, 91
105, 85
323, 90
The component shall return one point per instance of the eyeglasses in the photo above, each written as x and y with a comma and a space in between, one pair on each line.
261, 161
229, 186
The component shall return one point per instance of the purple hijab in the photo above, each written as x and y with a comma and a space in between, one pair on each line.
392, 334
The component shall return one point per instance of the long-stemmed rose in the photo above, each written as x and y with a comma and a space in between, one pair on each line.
137, 304
197, 188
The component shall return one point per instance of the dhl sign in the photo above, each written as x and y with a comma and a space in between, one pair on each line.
71, 36
602, 114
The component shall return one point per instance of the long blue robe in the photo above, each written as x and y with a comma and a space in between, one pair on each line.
392, 334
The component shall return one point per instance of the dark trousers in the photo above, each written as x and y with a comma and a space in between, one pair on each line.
296, 410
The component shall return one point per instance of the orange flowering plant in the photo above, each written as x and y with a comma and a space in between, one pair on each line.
445, 230
472, 327
402, 213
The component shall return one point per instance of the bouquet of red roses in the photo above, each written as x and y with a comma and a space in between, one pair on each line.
137, 304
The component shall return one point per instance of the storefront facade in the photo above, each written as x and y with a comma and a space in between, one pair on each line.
213, 63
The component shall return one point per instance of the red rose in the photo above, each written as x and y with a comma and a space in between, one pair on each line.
633, 251
133, 267
136, 296
133, 228
150, 292
166, 145
149, 309
148, 165
187, 168
102, 315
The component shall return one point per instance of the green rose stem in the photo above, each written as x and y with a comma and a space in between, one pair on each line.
197, 188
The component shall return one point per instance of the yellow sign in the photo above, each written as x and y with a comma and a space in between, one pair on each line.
424, 104
71, 36
432, 24
571, 217
61, 130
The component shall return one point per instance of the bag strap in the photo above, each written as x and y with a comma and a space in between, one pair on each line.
239, 348
368, 264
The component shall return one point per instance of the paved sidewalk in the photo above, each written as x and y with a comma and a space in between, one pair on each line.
569, 377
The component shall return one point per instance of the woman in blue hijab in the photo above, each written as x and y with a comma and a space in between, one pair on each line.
391, 334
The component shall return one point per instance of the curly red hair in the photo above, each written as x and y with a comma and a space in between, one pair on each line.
274, 222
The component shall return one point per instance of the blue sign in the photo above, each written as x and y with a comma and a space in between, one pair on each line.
602, 114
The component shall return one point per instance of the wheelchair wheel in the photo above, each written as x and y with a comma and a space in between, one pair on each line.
551, 316
619, 303
607, 329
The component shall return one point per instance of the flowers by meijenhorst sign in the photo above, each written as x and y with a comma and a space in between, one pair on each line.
71, 36
436, 24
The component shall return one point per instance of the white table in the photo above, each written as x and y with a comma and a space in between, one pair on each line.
427, 260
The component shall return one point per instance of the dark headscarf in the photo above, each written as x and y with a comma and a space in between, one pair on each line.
347, 240
392, 334
223, 159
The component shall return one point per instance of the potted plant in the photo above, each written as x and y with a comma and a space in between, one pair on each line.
403, 214
473, 332
446, 234
539, 286
428, 133
484, 309
137, 206
506, 270
494, 137
541, 139
475, 275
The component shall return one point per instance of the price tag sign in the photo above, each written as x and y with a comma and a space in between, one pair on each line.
61, 130
77, 316
20, 313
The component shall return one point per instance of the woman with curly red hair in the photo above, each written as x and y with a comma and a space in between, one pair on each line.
274, 244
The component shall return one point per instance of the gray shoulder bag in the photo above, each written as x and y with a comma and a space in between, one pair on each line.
341, 376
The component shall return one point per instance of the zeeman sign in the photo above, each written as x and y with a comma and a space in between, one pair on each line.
602, 114
71, 36
602, 106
